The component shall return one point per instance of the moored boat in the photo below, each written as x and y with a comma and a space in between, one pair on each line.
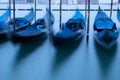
105, 29
72, 30
21, 23
36, 31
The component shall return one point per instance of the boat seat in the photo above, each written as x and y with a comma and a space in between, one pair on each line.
40, 24
75, 24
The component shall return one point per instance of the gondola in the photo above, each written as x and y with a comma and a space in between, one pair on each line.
3, 23
72, 30
21, 23
36, 31
118, 14
105, 30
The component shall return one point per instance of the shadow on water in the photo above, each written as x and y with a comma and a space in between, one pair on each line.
2, 41
105, 57
64, 51
27, 48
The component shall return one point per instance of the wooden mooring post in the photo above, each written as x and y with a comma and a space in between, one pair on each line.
111, 7
10, 8
49, 19
60, 13
88, 22
14, 15
86, 10
35, 9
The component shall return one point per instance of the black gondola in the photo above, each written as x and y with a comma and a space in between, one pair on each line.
72, 30
22, 23
37, 30
3, 23
105, 30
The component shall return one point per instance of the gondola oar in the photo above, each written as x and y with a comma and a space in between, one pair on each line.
14, 14
111, 8
88, 21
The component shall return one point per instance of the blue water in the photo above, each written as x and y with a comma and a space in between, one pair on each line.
40, 60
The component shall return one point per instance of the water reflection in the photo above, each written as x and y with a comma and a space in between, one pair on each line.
26, 48
64, 51
2, 41
7, 56
105, 57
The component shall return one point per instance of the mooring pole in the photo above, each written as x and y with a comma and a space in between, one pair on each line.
49, 18
88, 21
35, 9
85, 10
60, 13
9, 15
14, 14
10, 8
49, 8
111, 8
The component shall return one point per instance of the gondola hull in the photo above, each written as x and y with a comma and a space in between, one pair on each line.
106, 38
36, 31
72, 30
106, 33
26, 37
21, 23
67, 36
18, 23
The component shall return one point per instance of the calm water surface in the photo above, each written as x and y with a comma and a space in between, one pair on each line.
40, 60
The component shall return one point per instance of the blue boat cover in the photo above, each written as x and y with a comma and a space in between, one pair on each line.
70, 28
77, 22
30, 16
102, 21
5, 15
77, 15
